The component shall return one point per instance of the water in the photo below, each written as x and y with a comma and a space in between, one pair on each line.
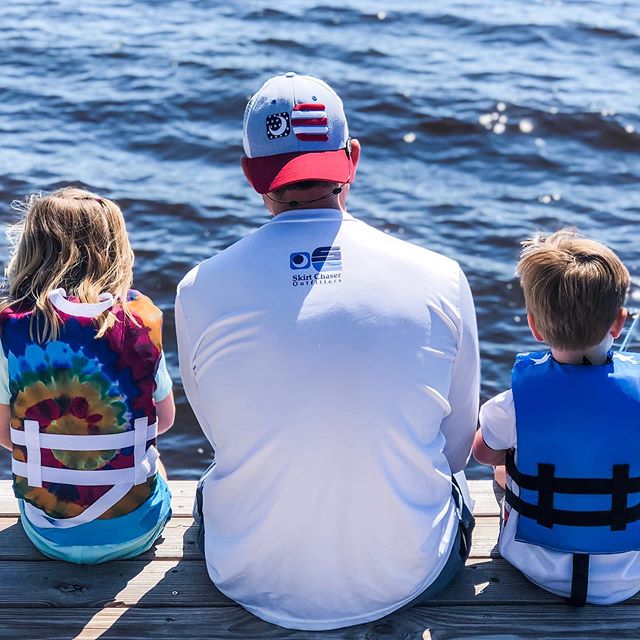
480, 122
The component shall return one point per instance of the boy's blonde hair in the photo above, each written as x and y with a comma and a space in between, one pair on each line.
71, 239
573, 286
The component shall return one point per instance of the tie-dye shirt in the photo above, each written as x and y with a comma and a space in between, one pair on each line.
79, 384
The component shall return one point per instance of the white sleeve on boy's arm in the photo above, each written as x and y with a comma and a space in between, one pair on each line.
498, 422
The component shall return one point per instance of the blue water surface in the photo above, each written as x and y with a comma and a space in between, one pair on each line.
481, 122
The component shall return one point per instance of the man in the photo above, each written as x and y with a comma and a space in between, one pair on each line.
334, 369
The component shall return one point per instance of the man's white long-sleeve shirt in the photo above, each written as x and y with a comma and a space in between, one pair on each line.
334, 369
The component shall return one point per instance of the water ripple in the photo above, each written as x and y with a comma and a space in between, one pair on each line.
480, 124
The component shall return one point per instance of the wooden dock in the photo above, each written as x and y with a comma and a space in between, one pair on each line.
166, 593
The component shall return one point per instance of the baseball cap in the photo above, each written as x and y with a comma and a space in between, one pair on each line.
295, 129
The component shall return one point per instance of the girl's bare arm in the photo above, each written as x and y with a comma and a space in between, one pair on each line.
5, 425
166, 412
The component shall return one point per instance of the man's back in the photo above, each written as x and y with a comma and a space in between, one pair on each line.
321, 357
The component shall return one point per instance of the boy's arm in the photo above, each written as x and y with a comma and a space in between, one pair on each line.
497, 433
484, 454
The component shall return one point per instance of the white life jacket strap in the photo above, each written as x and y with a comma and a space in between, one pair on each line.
39, 518
95, 478
58, 298
140, 448
98, 442
32, 443
149, 463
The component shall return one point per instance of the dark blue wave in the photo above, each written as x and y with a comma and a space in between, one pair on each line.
149, 111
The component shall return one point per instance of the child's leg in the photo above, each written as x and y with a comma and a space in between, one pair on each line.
161, 469
500, 475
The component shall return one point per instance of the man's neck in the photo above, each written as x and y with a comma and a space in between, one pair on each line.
321, 204
317, 205
308, 199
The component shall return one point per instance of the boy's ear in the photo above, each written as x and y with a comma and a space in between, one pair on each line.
618, 323
532, 325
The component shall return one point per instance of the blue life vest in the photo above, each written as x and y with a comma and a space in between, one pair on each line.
577, 462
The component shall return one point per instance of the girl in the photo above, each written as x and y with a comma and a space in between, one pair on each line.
84, 389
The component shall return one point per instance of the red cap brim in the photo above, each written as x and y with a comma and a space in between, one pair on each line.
272, 172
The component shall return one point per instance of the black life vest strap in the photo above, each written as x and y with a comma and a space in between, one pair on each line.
579, 580
570, 518
547, 484
584, 486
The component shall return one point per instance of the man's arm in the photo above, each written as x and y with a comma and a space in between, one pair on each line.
185, 360
464, 395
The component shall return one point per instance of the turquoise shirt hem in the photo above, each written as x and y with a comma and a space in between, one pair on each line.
105, 540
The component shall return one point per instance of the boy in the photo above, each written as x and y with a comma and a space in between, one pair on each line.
569, 428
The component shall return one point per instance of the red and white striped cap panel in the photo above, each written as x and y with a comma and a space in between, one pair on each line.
309, 122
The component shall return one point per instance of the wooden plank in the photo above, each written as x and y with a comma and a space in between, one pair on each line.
48, 583
484, 542
8, 502
179, 541
487, 495
183, 494
177, 583
483, 492
426, 623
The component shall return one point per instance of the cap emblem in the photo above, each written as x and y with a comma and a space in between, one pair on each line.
278, 125
309, 121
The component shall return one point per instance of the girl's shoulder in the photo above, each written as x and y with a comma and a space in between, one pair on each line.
142, 306
14, 312
147, 314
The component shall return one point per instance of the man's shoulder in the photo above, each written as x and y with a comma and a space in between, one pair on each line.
197, 276
188, 280
214, 266
408, 252
387, 250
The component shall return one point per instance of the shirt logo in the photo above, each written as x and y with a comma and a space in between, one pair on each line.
309, 121
325, 261
278, 125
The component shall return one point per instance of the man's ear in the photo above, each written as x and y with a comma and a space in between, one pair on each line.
618, 323
531, 320
246, 169
355, 158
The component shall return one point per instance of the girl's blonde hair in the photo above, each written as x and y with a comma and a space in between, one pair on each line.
71, 239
